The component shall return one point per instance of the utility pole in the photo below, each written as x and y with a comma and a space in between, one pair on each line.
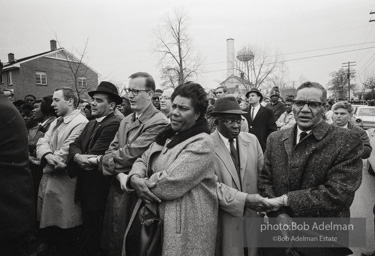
347, 65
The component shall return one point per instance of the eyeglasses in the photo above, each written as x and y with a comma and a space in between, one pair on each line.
232, 121
310, 104
164, 98
134, 91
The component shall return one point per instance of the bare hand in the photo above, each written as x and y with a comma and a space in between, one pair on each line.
83, 161
51, 159
276, 203
142, 188
60, 165
257, 203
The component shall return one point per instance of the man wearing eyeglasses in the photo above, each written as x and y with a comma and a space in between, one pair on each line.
311, 169
239, 159
165, 102
135, 134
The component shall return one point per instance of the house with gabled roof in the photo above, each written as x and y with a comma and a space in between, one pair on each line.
42, 73
236, 85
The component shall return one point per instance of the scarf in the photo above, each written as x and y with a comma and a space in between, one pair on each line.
200, 126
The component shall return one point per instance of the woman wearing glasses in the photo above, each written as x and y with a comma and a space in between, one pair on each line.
183, 180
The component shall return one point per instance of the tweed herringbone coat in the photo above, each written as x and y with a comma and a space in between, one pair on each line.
186, 184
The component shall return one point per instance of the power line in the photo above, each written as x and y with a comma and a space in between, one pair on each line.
303, 58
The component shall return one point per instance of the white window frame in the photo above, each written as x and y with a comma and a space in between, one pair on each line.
10, 78
41, 75
82, 82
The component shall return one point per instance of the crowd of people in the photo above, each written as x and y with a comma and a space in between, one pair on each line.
72, 174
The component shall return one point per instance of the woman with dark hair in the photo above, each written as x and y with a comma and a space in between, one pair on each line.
181, 177
45, 115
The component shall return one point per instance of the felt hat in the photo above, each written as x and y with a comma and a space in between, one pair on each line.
227, 105
107, 88
255, 90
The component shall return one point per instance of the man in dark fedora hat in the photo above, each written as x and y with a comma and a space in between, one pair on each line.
261, 120
239, 159
92, 187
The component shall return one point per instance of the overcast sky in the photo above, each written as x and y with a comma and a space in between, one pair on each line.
120, 33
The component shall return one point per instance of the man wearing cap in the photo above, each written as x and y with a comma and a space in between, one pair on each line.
156, 98
92, 187
276, 105
239, 159
261, 119
135, 134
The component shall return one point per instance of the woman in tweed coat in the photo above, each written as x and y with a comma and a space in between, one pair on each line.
183, 179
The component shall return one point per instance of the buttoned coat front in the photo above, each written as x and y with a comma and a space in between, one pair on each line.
56, 205
319, 175
187, 187
232, 189
262, 125
132, 139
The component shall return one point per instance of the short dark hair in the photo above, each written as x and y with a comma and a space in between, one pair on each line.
343, 104
196, 94
45, 106
30, 95
150, 83
289, 99
317, 86
69, 93
212, 101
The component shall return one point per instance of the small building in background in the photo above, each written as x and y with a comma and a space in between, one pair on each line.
42, 73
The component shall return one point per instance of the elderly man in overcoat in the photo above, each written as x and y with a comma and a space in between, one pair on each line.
135, 134
239, 159
312, 169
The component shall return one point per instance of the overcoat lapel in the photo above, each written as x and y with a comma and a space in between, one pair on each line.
242, 147
260, 112
223, 154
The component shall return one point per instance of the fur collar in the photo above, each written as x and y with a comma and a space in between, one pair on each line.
199, 127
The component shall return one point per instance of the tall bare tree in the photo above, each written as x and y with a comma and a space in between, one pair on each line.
256, 65
179, 60
78, 69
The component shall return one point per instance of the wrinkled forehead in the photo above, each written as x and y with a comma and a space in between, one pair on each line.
310, 94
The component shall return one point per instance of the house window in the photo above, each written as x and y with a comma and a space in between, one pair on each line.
10, 78
82, 82
1, 78
41, 78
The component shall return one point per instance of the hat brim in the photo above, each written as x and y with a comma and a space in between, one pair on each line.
117, 98
235, 112
259, 94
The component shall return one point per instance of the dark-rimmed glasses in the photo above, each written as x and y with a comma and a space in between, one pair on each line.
310, 104
134, 91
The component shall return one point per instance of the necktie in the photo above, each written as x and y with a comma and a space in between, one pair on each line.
252, 114
302, 136
234, 155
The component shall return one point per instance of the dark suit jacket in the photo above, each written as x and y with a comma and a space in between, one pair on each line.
92, 186
262, 125
319, 175
16, 184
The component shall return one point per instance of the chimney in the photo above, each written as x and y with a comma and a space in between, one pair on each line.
10, 57
53, 45
230, 57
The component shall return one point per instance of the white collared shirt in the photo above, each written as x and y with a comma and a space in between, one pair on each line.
100, 119
256, 109
299, 131
226, 141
